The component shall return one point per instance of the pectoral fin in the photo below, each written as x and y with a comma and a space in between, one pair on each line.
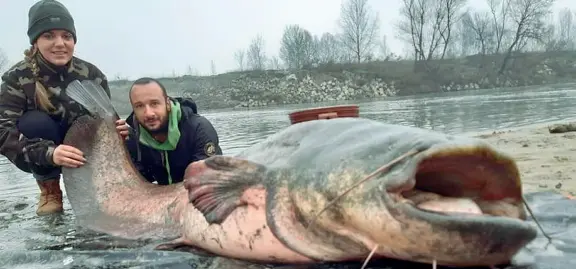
220, 184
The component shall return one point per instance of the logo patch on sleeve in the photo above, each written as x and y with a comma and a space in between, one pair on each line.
210, 149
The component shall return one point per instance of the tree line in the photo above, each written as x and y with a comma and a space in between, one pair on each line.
430, 29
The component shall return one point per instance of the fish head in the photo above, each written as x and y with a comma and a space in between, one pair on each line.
453, 200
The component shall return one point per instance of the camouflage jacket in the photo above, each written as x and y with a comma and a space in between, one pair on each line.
17, 96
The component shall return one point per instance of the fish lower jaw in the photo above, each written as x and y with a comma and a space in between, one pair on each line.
461, 206
483, 232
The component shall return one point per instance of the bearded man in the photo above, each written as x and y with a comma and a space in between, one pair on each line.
164, 134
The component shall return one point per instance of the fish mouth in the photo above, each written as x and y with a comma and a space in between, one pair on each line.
471, 181
466, 194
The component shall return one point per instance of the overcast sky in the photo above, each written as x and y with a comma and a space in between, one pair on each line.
137, 38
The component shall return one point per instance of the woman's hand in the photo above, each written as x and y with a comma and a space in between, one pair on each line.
68, 156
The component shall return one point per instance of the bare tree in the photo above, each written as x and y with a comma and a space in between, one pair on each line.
500, 10
527, 21
239, 57
550, 40
328, 49
256, 54
384, 49
566, 28
427, 26
447, 15
297, 47
476, 31
212, 67
411, 26
359, 25
275, 63
558, 35
3, 60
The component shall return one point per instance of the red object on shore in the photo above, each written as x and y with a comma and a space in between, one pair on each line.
322, 113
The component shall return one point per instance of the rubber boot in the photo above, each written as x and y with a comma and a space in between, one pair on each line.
50, 197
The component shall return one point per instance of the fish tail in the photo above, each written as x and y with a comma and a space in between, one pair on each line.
92, 97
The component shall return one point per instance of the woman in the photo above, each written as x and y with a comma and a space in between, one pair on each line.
35, 113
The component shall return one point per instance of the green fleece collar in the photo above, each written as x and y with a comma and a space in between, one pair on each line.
172, 138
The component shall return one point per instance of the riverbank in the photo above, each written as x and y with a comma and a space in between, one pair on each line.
546, 161
361, 81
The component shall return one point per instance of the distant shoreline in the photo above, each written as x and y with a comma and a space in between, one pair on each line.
349, 82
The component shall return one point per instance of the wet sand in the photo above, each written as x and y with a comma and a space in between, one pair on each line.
547, 161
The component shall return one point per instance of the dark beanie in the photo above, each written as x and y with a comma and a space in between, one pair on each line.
47, 15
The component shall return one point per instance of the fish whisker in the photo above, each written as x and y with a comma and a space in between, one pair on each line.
368, 177
369, 256
537, 223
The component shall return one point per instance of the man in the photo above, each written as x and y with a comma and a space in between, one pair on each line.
163, 134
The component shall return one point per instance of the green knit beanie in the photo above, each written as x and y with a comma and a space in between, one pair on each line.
47, 15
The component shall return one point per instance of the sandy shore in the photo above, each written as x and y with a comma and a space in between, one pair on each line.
546, 160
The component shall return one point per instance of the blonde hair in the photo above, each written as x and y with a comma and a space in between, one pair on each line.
41, 95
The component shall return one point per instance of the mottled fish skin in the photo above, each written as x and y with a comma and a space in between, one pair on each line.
257, 205
108, 195
311, 163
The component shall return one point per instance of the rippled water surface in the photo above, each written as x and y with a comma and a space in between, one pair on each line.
459, 112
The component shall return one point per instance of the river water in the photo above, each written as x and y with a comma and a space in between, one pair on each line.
455, 112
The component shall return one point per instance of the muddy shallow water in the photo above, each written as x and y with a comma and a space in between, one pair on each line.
27, 238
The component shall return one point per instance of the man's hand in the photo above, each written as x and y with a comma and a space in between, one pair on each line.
122, 128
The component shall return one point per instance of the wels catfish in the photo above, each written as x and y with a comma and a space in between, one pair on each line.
325, 190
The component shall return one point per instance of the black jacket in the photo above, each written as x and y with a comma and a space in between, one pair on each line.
196, 135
